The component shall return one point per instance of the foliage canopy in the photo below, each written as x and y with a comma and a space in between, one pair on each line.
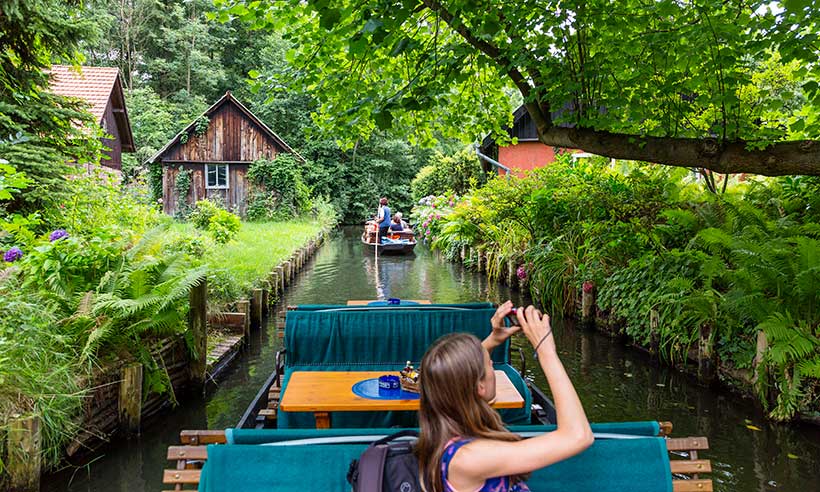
672, 82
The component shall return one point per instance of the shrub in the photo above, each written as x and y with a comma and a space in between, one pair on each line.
280, 191
202, 213
223, 226
457, 173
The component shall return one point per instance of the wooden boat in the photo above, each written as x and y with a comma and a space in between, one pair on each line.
638, 456
395, 242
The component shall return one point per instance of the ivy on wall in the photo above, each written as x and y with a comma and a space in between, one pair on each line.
182, 185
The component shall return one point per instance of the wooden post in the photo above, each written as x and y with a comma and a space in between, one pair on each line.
244, 306
256, 308
760, 352
510, 273
280, 275
463, 253
478, 261
198, 324
288, 272
654, 332
274, 282
588, 304
266, 299
23, 461
130, 399
706, 363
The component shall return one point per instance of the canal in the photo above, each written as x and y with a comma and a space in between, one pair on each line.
614, 382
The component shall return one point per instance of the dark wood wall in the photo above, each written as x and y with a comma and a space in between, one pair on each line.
231, 138
235, 197
109, 124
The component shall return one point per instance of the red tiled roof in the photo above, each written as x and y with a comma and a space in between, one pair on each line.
92, 84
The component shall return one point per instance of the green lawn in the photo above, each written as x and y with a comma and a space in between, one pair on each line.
239, 265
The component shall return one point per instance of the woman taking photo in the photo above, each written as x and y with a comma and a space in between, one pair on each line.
463, 445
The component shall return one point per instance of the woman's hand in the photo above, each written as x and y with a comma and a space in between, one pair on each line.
500, 332
537, 328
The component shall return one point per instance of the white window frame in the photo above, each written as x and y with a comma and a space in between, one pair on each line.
227, 177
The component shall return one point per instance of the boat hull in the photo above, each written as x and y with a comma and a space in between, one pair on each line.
391, 248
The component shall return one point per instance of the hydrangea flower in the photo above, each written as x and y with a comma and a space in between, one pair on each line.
13, 254
58, 234
521, 272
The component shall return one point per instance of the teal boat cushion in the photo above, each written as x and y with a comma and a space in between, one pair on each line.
319, 307
342, 338
637, 465
378, 336
363, 420
648, 428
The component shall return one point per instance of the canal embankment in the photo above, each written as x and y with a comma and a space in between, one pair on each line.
722, 285
164, 323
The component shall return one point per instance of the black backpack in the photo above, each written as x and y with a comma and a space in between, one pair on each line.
387, 465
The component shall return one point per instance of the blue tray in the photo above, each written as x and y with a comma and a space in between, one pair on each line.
369, 388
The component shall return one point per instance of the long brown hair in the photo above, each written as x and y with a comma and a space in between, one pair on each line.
450, 405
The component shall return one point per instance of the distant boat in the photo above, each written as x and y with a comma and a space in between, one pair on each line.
394, 242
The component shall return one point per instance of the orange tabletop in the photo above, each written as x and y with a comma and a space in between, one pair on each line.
323, 392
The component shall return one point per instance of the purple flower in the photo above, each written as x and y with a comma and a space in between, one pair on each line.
521, 272
58, 234
451, 203
13, 254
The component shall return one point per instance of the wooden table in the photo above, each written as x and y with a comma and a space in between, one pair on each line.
322, 392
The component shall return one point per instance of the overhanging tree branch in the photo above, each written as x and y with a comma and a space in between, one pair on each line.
778, 159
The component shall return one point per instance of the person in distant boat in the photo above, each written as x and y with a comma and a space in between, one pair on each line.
397, 224
463, 444
404, 225
383, 219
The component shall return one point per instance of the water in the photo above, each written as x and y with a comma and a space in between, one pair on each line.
614, 383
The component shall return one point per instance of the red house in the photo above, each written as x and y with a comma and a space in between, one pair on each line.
101, 88
528, 153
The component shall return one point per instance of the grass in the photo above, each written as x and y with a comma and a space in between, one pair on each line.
241, 264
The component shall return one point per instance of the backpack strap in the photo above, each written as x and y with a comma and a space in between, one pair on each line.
371, 469
371, 462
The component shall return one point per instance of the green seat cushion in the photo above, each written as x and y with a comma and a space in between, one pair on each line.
636, 465
337, 338
649, 428
381, 336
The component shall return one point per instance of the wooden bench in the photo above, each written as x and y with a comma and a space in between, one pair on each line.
684, 462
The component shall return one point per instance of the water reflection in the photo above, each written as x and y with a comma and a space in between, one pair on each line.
614, 382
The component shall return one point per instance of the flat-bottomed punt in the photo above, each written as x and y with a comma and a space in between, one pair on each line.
278, 447
394, 242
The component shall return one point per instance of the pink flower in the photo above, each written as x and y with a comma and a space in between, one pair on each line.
521, 272
588, 286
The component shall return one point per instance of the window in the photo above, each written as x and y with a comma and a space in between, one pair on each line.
216, 176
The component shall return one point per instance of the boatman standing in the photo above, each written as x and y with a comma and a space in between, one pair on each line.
383, 219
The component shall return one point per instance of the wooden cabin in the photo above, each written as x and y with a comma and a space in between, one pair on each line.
101, 88
528, 153
216, 150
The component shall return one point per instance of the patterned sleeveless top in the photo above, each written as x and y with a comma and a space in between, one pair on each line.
496, 484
